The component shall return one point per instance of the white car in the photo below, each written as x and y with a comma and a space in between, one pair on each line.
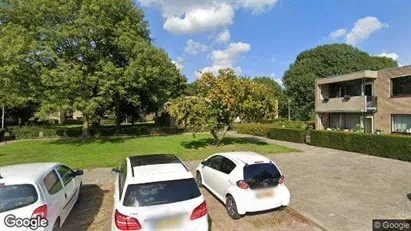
157, 192
244, 182
46, 191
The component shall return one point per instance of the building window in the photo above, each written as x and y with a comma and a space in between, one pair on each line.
401, 123
401, 86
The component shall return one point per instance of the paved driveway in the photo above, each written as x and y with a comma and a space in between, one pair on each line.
343, 190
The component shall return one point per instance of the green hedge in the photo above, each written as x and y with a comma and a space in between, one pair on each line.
390, 146
287, 134
272, 131
32, 132
254, 129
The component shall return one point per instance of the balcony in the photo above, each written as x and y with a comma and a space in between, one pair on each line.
371, 103
347, 104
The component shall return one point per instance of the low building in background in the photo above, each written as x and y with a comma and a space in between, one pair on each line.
367, 101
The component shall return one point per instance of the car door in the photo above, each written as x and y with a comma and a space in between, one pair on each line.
209, 171
70, 187
226, 167
55, 196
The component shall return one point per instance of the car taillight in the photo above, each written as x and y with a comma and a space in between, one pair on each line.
40, 211
242, 184
199, 211
282, 180
124, 222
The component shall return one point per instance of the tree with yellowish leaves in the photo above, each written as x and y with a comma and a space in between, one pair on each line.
220, 100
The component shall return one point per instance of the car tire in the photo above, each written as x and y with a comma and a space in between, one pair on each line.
56, 226
282, 208
79, 193
231, 207
199, 179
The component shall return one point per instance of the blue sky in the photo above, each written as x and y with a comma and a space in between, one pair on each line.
263, 37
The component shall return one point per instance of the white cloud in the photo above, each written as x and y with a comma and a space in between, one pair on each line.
230, 55
224, 36
394, 56
363, 28
178, 65
337, 34
200, 20
184, 17
193, 47
278, 80
226, 58
273, 59
257, 6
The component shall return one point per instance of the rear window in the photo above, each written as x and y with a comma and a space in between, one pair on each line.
261, 175
139, 195
16, 196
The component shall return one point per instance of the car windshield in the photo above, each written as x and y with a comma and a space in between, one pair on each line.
261, 175
139, 195
16, 196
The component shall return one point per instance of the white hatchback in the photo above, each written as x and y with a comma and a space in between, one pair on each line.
244, 182
157, 192
44, 191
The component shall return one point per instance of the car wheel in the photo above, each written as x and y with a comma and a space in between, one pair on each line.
199, 179
282, 208
79, 193
56, 226
232, 208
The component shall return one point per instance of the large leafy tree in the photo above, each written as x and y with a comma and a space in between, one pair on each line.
277, 91
220, 100
320, 62
95, 54
17, 67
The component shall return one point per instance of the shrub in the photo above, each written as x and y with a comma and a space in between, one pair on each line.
287, 134
2, 133
390, 146
32, 132
254, 129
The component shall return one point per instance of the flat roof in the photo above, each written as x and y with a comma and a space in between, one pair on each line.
347, 77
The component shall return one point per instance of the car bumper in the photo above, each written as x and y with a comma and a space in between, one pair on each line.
247, 202
200, 224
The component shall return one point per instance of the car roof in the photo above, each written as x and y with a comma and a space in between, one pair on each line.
245, 158
155, 168
25, 172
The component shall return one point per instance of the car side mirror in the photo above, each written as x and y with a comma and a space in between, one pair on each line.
203, 162
79, 172
116, 170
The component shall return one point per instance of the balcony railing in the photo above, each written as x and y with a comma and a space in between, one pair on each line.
347, 104
371, 103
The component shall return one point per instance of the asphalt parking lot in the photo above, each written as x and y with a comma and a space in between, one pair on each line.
94, 212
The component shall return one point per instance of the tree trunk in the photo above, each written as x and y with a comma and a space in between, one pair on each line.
221, 138
2, 117
117, 105
20, 121
215, 136
86, 127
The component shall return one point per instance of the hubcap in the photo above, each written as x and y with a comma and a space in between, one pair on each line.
198, 178
230, 206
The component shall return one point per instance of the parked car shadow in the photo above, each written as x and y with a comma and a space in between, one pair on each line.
202, 143
85, 211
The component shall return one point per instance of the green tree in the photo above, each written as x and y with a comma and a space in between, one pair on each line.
95, 54
278, 93
320, 62
220, 100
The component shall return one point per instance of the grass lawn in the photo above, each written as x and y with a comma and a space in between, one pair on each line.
110, 152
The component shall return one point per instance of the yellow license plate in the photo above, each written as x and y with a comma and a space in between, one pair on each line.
168, 223
265, 194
